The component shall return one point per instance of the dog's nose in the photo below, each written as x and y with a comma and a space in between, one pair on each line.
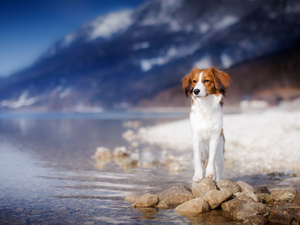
196, 91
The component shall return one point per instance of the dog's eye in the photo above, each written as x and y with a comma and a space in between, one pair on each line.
194, 81
206, 81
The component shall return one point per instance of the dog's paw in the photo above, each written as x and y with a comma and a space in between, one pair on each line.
197, 177
211, 176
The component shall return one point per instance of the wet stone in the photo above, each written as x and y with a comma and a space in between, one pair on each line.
245, 198
215, 198
146, 200
256, 220
176, 195
246, 187
233, 187
255, 197
262, 190
194, 206
131, 198
199, 189
283, 194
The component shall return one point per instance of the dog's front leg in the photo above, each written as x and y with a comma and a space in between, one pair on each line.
213, 144
197, 160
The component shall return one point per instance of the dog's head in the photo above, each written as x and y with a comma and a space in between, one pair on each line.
204, 82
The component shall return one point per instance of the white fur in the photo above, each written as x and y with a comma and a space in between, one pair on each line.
206, 120
200, 86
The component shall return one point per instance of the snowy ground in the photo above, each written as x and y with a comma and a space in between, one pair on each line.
256, 142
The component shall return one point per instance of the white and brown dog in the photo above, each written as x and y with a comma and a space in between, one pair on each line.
207, 88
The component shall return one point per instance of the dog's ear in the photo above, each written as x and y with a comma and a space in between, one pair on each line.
186, 83
221, 80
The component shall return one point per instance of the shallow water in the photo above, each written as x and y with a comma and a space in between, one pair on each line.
48, 177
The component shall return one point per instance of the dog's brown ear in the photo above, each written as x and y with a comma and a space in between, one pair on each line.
221, 79
186, 83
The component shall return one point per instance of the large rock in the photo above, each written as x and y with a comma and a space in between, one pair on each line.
131, 198
194, 206
241, 210
282, 215
244, 198
283, 194
146, 200
246, 187
233, 187
215, 198
249, 194
176, 195
199, 189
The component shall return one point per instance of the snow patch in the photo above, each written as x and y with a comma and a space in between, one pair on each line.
203, 63
112, 23
226, 61
226, 22
22, 101
141, 45
172, 53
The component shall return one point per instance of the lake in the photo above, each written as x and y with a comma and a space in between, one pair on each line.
48, 176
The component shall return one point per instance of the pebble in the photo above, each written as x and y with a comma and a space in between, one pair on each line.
246, 187
176, 167
194, 206
102, 153
199, 189
233, 187
146, 200
129, 135
120, 152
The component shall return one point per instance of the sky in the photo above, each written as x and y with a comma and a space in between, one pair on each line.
29, 27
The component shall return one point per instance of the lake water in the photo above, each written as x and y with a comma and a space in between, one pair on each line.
47, 175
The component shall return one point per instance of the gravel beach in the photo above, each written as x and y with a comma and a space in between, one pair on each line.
256, 142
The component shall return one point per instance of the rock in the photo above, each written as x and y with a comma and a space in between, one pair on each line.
131, 198
163, 205
241, 210
146, 200
245, 198
249, 194
126, 162
135, 156
129, 135
233, 187
199, 189
120, 152
246, 187
256, 220
167, 162
297, 199
194, 206
261, 190
267, 198
176, 167
154, 161
283, 194
102, 153
176, 195
282, 216
292, 207
215, 198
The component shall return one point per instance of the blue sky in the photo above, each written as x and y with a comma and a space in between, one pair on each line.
29, 27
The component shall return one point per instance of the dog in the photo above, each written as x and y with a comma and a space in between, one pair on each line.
207, 87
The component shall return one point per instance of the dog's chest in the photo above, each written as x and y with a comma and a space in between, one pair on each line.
206, 117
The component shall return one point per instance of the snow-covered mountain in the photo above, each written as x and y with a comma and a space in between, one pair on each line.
129, 55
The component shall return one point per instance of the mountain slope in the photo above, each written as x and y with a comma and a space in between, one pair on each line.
126, 56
